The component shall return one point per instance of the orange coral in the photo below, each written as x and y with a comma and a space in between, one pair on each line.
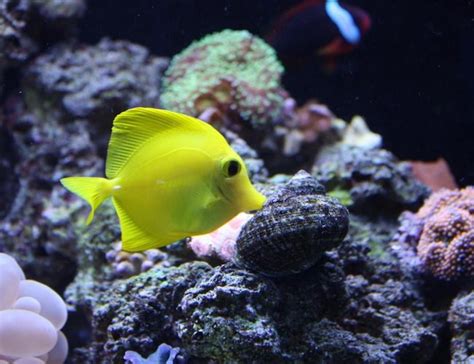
446, 245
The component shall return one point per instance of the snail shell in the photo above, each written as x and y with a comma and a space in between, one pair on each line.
297, 224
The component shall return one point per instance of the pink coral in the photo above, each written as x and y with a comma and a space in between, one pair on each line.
221, 242
446, 244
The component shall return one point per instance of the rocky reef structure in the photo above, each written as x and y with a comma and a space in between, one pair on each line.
93, 82
60, 129
328, 297
373, 180
16, 46
31, 317
37, 228
25, 24
348, 306
9, 182
228, 314
442, 234
461, 319
293, 230
138, 318
233, 71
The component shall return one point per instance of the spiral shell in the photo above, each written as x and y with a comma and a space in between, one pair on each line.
296, 226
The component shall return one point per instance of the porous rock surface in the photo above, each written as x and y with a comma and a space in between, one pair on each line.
376, 181
369, 311
95, 82
37, 227
461, 319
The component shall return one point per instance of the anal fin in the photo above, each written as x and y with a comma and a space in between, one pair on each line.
134, 239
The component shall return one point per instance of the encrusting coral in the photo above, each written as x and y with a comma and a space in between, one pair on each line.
31, 317
439, 238
446, 244
233, 71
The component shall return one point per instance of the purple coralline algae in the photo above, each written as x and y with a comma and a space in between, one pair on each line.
233, 71
375, 180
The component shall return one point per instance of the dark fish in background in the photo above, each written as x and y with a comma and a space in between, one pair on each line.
317, 27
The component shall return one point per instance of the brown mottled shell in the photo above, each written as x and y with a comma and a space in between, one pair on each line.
295, 227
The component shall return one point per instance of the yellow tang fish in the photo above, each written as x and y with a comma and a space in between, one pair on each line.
170, 176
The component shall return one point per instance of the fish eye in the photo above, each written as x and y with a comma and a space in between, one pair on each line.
231, 168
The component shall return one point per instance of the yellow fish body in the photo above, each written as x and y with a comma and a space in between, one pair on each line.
170, 176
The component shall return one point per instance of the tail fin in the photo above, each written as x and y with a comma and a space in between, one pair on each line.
92, 189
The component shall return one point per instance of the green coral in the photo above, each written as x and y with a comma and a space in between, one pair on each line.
234, 71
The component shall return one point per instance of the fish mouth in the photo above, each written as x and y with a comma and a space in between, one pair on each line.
221, 191
257, 202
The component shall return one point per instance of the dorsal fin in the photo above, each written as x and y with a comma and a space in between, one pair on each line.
135, 127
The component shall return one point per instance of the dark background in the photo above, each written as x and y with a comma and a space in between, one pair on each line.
412, 78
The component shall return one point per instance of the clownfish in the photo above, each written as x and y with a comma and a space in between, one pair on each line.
328, 28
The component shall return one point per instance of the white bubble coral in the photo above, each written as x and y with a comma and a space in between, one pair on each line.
31, 315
